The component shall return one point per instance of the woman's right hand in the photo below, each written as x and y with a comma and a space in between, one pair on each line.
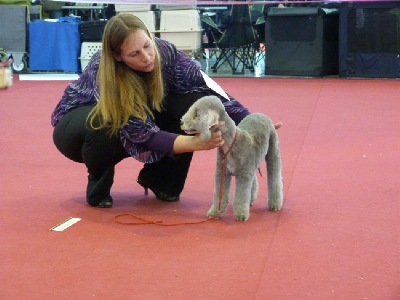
214, 141
191, 143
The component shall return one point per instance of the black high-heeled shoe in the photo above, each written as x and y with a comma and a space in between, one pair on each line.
159, 195
107, 202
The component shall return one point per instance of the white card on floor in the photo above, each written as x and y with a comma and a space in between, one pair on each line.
214, 86
65, 224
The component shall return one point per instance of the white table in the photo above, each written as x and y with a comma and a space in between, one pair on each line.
74, 10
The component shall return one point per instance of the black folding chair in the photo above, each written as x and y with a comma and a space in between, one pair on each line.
237, 43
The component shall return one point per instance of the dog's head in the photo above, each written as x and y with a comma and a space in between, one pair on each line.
201, 116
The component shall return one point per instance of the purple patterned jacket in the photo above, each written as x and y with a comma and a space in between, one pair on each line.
145, 141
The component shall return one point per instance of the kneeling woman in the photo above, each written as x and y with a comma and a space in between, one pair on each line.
128, 103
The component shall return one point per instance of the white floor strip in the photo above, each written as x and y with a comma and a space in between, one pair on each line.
48, 76
65, 224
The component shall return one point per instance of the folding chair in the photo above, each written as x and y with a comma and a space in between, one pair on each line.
238, 41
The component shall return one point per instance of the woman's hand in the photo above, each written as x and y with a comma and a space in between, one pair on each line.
185, 143
214, 141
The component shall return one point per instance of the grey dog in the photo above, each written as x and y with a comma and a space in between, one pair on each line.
255, 139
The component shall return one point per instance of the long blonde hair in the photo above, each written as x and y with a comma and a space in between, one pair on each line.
124, 92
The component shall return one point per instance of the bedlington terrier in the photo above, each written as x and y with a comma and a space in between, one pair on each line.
245, 147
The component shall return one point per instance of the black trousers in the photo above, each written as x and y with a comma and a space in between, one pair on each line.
100, 152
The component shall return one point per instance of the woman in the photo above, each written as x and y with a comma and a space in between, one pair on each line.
128, 102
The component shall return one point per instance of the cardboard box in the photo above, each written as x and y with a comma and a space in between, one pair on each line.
5, 78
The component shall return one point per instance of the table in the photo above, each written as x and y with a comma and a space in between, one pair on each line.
212, 8
74, 9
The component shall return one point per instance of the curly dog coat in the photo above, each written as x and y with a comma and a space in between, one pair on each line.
246, 146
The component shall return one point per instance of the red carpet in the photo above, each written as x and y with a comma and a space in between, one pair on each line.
336, 237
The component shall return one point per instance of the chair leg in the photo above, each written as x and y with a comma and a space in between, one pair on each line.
221, 59
236, 57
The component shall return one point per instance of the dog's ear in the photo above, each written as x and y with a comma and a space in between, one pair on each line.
210, 119
213, 118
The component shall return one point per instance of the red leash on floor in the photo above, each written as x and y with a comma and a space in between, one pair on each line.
160, 223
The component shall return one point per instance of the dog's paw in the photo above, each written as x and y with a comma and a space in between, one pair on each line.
242, 214
274, 208
274, 205
242, 217
214, 213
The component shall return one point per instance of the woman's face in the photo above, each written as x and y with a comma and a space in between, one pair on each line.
137, 52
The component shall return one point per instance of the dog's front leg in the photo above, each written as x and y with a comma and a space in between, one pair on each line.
254, 190
243, 194
221, 191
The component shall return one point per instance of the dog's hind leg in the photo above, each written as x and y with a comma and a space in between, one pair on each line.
243, 194
221, 197
274, 173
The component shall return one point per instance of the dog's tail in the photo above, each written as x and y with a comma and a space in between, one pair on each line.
274, 172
